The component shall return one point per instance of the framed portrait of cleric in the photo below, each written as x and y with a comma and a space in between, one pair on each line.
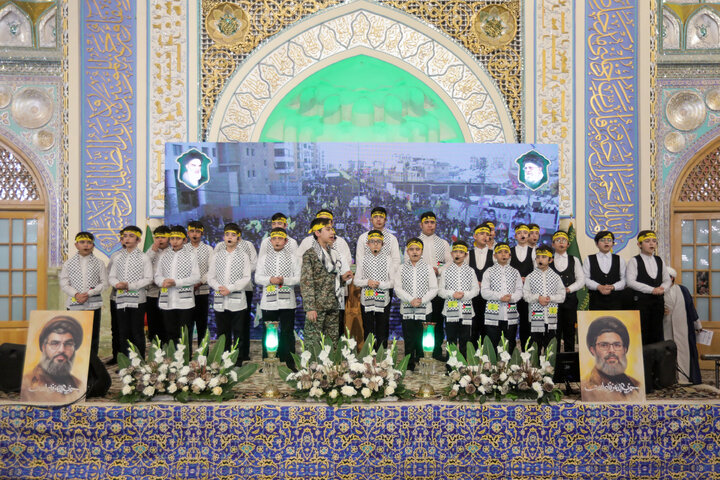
611, 356
57, 357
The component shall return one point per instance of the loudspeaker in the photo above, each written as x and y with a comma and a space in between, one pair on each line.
99, 380
660, 362
12, 358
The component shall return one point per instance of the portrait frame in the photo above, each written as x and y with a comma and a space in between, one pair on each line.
62, 328
609, 373
186, 157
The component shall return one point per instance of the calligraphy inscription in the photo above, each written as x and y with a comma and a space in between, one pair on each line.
554, 99
167, 92
611, 171
108, 120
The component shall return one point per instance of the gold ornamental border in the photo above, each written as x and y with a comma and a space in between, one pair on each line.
454, 18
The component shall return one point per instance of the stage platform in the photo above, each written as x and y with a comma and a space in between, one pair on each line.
418, 439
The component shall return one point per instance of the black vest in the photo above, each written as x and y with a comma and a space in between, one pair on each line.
614, 300
568, 278
473, 262
526, 266
644, 277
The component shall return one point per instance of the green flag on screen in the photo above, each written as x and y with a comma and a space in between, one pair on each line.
148, 239
574, 250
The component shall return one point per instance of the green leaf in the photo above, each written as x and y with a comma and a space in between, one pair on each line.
489, 350
217, 350
515, 359
366, 348
246, 371
170, 350
550, 352
283, 372
471, 359
296, 358
123, 361
403, 365
380, 355
535, 356
182, 397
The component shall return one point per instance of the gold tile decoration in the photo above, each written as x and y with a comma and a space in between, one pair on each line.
495, 25
454, 18
227, 24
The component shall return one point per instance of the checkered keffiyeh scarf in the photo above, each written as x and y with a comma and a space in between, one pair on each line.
185, 259
375, 267
497, 273
419, 272
553, 285
237, 265
459, 279
135, 265
278, 264
91, 279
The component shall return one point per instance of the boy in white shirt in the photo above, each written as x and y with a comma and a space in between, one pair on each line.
83, 278
176, 274
374, 276
154, 315
415, 285
458, 286
202, 252
278, 272
130, 273
501, 288
228, 275
543, 291
570, 270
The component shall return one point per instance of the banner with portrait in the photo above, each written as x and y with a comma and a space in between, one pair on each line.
611, 356
57, 357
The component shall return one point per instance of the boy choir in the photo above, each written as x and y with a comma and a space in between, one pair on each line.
469, 292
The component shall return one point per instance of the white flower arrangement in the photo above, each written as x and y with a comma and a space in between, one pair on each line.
337, 375
489, 374
171, 371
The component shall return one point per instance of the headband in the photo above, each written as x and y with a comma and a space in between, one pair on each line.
481, 230
646, 236
378, 214
520, 228
162, 235
79, 238
561, 235
459, 248
230, 230
324, 215
280, 219
490, 224
137, 234
278, 235
414, 244
176, 235
428, 217
544, 251
316, 227
379, 236
500, 248
199, 229
535, 229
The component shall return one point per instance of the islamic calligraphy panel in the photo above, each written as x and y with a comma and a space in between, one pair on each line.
611, 106
108, 120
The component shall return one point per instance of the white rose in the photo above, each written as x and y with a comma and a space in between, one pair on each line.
348, 391
503, 377
202, 360
504, 356
366, 392
333, 393
135, 362
127, 390
184, 371
233, 375
127, 379
217, 391
316, 392
368, 359
172, 388
389, 390
538, 388
464, 381
149, 391
182, 380
146, 377
357, 367
227, 363
213, 382
525, 356
305, 358
199, 383
351, 343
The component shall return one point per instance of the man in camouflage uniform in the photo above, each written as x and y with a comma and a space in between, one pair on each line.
320, 284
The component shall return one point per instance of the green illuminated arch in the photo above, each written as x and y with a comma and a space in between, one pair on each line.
361, 99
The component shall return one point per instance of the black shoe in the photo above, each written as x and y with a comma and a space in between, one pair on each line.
112, 361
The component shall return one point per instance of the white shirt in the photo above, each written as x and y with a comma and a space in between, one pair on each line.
390, 241
252, 255
202, 249
407, 296
480, 257
605, 263
174, 300
263, 278
532, 297
561, 263
429, 251
139, 285
232, 303
521, 251
95, 290
152, 289
266, 246
651, 269
515, 291
443, 291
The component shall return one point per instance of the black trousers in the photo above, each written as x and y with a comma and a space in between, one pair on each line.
567, 319
495, 332
439, 320
131, 327
114, 332
413, 339
652, 310
286, 340
155, 323
377, 323
542, 339
199, 318
478, 324
232, 325
174, 320
458, 334
524, 323
245, 325
341, 324
95, 342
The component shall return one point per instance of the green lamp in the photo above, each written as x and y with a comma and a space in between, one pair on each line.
271, 346
428, 345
